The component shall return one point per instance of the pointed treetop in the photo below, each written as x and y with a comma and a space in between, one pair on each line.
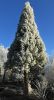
28, 9
28, 6
27, 3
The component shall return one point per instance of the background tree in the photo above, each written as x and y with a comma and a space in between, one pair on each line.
49, 70
3, 58
27, 52
49, 74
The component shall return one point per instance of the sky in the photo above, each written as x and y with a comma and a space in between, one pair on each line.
10, 11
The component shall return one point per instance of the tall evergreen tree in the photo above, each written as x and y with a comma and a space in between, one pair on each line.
26, 56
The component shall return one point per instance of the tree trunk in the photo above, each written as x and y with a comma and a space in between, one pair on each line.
25, 83
4, 76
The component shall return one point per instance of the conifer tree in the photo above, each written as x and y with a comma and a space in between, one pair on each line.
26, 56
